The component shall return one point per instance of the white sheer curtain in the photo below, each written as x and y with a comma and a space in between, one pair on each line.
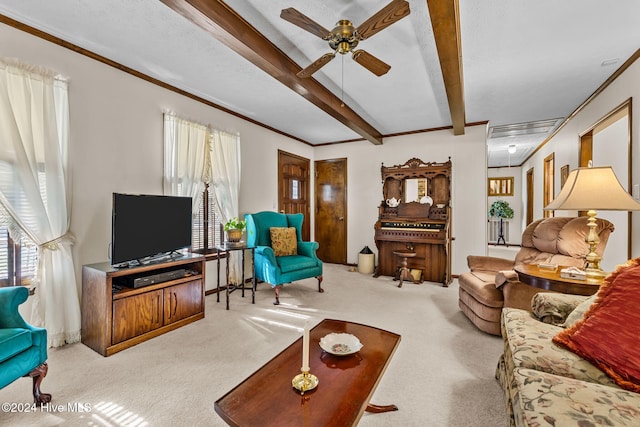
225, 180
34, 189
185, 158
195, 155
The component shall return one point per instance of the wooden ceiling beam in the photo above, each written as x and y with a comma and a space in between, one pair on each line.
223, 23
445, 20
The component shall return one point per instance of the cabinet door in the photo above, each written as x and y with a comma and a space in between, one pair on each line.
181, 301
136, 315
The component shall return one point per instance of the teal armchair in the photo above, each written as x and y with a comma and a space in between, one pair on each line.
278, 270
23, 348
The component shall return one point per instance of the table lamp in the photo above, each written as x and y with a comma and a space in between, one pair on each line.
590, 189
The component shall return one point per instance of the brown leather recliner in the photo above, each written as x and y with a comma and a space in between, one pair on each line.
492, 284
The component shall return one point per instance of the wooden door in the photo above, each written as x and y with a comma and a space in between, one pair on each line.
293, 187
548, 178
586, 149
529, 196
585, 155
331, 210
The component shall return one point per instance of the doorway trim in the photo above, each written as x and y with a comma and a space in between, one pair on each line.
586, 153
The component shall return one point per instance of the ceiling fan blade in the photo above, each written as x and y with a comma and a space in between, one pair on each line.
370, 62
304, 22
391, 13
316, 65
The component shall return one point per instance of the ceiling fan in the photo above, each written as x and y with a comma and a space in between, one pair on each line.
344, 37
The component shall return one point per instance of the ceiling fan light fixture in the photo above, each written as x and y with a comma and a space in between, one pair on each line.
345, 47
511, 149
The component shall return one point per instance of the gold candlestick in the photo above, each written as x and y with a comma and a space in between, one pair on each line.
304, 381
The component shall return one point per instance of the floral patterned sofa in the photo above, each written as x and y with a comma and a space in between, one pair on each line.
546, 384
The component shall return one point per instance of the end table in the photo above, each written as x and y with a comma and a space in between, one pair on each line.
226, 248
550, 280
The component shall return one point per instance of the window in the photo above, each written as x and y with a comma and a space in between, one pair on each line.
18, 255
18, 260
207, 226
195, 155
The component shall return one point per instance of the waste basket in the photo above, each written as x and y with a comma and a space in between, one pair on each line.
366, 261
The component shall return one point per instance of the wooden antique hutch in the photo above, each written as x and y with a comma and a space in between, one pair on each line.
415, 224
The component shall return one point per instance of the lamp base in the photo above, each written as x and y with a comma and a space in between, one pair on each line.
595, 273
592, 267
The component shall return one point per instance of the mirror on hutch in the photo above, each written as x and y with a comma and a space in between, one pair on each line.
415, 215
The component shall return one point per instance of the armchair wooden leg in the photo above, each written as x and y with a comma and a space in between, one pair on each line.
276, 289
320, 284
377, 409
38, 375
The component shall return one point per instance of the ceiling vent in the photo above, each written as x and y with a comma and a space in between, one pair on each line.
523, 129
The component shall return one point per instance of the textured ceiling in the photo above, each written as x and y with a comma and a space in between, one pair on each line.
522, 61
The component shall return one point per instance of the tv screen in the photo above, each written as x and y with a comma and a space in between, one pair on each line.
147, 225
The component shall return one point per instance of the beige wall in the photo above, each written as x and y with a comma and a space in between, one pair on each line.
116, 140
609, 148
566, 143
116, 146
468, 199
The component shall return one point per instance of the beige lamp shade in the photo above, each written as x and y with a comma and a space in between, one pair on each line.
594, 188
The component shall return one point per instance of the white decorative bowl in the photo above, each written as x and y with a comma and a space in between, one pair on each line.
426, 200
340, 344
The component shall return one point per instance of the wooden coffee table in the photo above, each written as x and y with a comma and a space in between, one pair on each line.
346, 383
550, 280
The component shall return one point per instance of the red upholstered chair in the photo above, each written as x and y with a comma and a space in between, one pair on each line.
492, 284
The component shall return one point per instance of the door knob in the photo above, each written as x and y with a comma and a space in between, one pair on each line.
341, 218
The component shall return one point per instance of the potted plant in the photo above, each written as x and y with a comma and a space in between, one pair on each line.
234, 229
500, 209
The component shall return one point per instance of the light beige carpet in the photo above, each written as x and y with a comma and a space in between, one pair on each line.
441, 375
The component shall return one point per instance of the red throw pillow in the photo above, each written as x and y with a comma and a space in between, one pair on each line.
608, 335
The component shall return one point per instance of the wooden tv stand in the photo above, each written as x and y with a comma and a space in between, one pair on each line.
116, 317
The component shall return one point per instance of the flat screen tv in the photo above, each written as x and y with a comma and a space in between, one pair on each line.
145, 226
